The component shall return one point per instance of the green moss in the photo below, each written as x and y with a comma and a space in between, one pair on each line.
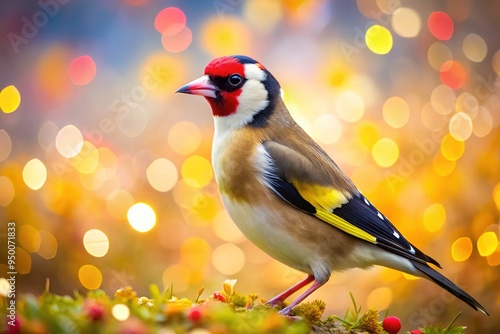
230, 312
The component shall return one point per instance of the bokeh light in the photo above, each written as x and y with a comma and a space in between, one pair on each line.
23, 261
178, 42
87, 160
141, 217
434, 217
468, 104
34, 174
8, 191
396, 112
120, 312
82, 70
380, 298
90, 276
378, 39
437, 54
224, 37
195, 256
162, 174
487, 243
461, 249
349, 106
327, 129
5, 144
263, 15
29, 238
496, 62
482, 123
179, 142
443, 166
197, 171
443, 99
10, 99
46, 244
460, 126
4, 287
51, 74
440, 25
47, 135
225, 228
451, 148
475, 47
406, 22
496, 195
369, 8
228, 259
385, 152
96, 242
453, 74
170, 21
69, 141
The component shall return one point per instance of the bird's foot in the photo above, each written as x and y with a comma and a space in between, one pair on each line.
275, 302
288, 313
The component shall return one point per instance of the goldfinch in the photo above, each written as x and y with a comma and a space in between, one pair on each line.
287, 195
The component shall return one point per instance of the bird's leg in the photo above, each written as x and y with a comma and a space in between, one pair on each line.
311, 289
284, 295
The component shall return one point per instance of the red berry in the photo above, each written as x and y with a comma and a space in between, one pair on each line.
416, 331
94, 310
194, 314
391, 324
14, 327
219, 296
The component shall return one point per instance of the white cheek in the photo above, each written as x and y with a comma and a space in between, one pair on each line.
252, 99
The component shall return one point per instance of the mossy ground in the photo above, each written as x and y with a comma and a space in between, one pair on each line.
222, 312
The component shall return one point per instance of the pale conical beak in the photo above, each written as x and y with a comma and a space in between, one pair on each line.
200, 86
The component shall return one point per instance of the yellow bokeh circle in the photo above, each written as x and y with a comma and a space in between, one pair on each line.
10, 99
451, 148
434, 217
487, 243
90, 277
461, 249
378, 39
385, 152
197, 171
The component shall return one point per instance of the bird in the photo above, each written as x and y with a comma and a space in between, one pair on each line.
287, 195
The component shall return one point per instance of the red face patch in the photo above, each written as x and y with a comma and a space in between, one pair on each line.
224, 66
227, 105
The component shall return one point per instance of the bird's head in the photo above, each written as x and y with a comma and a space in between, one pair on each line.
238, 88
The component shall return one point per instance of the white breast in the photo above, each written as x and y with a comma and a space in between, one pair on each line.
261, 226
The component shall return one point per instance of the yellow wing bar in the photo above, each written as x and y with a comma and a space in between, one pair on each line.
344, 225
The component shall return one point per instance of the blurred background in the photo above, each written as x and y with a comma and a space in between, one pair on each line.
106, 172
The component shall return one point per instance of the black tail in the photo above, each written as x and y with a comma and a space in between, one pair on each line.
449, 286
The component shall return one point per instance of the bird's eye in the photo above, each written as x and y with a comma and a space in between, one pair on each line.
234, 79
